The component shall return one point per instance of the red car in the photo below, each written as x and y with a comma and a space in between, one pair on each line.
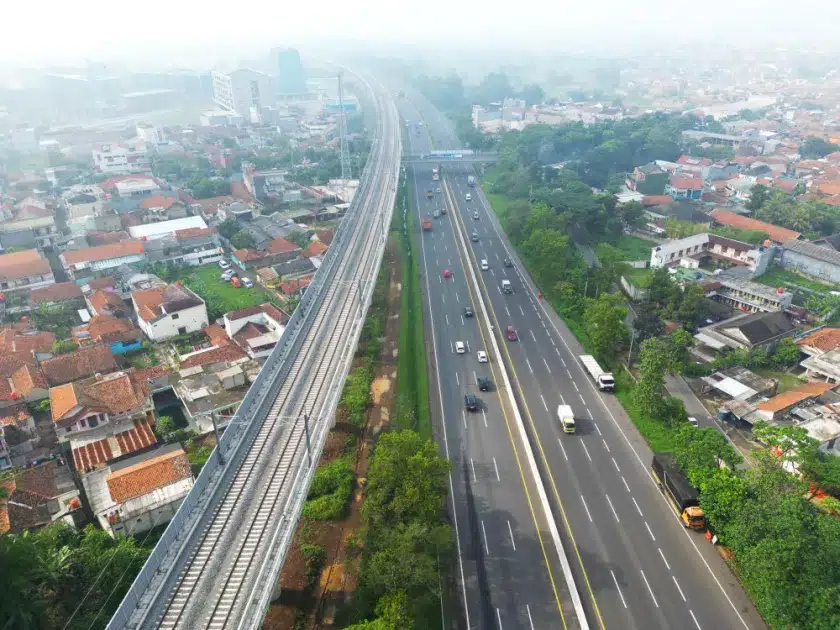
511, 333
447, 273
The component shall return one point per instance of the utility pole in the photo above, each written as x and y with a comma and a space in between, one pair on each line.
306, 428
342, 127
218, 438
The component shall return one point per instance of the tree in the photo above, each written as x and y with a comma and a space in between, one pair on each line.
814, 147
681, 342
632, 214
654, 362
242, 240
604, 321
165, 425
611, 266
786, 352
699, 452
693, 309
64, 346
229, 227
789, 443
648, 323
660, 287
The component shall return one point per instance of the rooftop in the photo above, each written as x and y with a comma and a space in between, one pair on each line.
113, 393
77, 365
825, 339
790, 398
817, 252
153, 231
776, 233
58, 292
90, 453
23, 265
160, 301
103, 252
150, 475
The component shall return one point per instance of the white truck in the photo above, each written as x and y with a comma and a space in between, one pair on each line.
470, 181
604, 380
566, 417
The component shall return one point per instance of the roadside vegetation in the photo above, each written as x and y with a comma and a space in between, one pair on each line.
782, 534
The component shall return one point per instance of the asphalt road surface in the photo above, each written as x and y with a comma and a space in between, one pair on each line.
635, 565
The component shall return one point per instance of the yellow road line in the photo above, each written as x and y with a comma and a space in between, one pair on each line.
542, 453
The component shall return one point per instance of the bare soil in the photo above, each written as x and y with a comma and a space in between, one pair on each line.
339, 578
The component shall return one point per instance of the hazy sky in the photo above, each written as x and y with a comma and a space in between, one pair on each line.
52, 31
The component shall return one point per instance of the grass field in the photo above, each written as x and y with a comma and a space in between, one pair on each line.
221, 297
412, 399
777, 277
787, 381
639, 278
659, 436
633, 247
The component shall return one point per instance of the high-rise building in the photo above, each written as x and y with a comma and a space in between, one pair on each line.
241, 90
291, 77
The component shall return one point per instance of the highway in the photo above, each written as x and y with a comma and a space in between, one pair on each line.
635, 565
507, 565
218, 562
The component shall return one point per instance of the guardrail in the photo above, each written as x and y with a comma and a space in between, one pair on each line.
244, 424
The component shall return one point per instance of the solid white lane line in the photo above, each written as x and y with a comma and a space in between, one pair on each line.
677, 584
472, 465
533, 336
457, 380
650, 532
606, 446
484, 531
615, 514
484, 415
464, 416
496, 466
512, 541
543, 402
521, 310
586, 450
668, 566
475, 377
695, 619
529, 366
546, 366
615, 463
587, 509
638, 509
531, 621
650, 590
560, 442
625, 483
499, 617
618, 588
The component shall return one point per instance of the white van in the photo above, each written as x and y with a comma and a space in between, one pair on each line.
468, 197
484, 265
566, 417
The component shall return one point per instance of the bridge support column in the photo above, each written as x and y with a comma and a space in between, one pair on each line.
275, 596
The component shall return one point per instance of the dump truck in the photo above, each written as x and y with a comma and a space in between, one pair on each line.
604, 380
684, 497
471, 181
566, 417
427, 223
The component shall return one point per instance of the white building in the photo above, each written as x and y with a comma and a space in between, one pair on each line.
166, 312
81, 201
689, 251
162, 229
148, 134
137, 187
256, 329
220, 118
241, 90
131, 157
137, 494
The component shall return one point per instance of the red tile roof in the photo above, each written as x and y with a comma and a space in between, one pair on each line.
101, 283
325, 236
24, 344
103, 252
315, 248
690, 183
96, 453
656, 200
114, 393
776, 233
28, 378
158, 201
217, 335
106, 302
829, 188
281, 245
148, 476
77, 365
292, 286
244, 255
111, 184
193, 232
23, 264
221, 354
832, 201
825, 339
58, 292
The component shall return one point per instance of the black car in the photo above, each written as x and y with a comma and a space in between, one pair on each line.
468, 312
484, 383
508, 263
471, 402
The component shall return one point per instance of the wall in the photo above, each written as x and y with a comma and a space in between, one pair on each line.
672, 251
193, 319
810, 267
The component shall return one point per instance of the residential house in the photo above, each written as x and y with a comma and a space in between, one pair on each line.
139, 493
106, 302
161, 208
120, 335
295, 287
294, 268
681, 187
749, 331
87, 404
29, 224
129, 157
134, 187
215, 380
256, 329
18, 435
649, 179
277, 251
184, 241
166, 312
264, 185
65, 294
778, 235
702, 248
74, 366
87, 209
819, 342
39, 496
693, 166
779, 405
24, 271
82, 264
819, 259
748, 296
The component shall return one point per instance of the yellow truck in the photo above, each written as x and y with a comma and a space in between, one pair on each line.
683, 497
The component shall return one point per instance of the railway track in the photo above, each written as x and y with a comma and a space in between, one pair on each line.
245, 532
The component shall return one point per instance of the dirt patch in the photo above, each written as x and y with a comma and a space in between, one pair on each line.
339, 578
